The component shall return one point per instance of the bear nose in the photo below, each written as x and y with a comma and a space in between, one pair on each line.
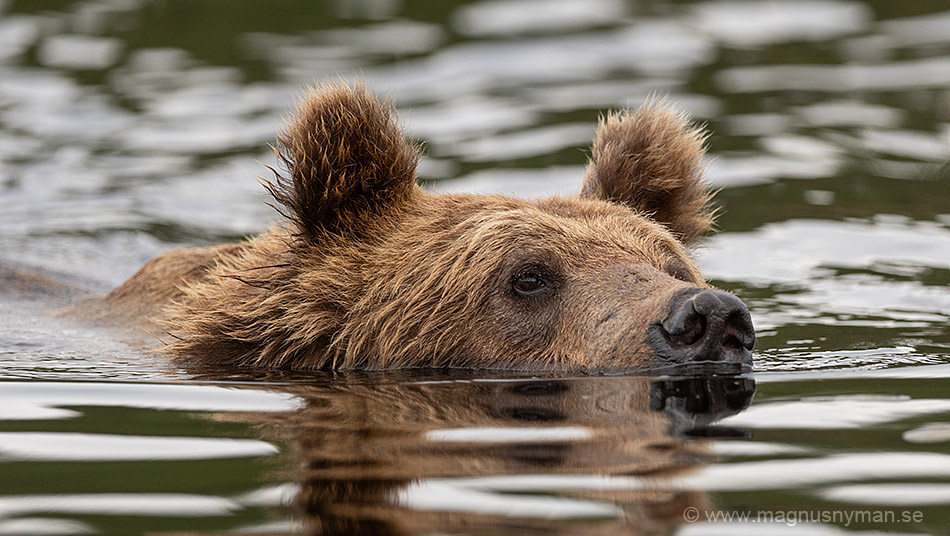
704, 325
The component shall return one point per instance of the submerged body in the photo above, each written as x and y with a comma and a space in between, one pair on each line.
372, 272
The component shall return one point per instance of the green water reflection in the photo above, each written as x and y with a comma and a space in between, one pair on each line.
130, 128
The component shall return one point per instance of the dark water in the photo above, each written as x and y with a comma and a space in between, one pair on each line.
130, 127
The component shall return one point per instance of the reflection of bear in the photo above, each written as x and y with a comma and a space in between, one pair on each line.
372, 272
389, 458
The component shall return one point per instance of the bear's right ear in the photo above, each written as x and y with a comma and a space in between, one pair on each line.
348, 162
650, 161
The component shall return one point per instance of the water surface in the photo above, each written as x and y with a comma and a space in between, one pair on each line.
131, 128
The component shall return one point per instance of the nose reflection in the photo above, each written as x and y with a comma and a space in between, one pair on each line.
423, 457
694, 404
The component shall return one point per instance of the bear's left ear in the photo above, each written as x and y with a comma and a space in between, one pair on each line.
650, 161
348, 161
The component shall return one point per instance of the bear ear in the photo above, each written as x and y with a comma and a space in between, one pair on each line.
347, 159
650, 161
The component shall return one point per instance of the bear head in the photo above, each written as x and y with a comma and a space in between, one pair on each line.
373, 272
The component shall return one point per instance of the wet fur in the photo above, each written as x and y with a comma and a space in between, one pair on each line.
369, 271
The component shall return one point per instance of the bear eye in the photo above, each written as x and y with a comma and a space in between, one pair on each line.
527, 283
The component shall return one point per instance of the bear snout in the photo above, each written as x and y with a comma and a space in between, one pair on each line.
704, 325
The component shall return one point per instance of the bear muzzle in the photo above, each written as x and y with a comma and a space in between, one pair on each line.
704, 325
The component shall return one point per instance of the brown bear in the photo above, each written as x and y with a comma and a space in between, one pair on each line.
370, 271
